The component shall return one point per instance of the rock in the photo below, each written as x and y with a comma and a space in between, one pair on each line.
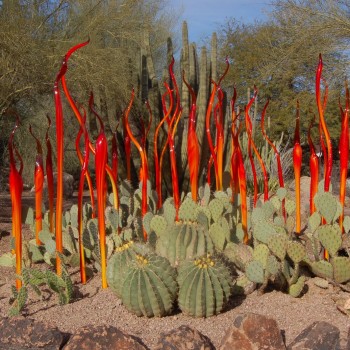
21, 333
252, 332
103, 338
184, 338
68, 186
318, 336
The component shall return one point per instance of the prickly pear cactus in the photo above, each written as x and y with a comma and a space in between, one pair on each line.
149, 288
205, 286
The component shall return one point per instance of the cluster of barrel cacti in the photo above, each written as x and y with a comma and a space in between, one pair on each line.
180, 262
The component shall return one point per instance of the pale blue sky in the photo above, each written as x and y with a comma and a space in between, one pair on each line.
204, 16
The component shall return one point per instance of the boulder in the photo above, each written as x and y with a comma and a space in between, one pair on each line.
184, 338
318, 336
21, 333
103, 338
253, 332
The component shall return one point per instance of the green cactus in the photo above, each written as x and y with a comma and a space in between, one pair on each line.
216, 208
330, 238
187, 211
184, 241
219, 234
263, 231
118, 265
149, 288
314, 221
296, 289
341, 269
158, 224
296, 251
322, 269
326, 205
255, 272
278, 245
205, 286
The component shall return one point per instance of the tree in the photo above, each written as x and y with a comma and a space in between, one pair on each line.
281, 56
35, 34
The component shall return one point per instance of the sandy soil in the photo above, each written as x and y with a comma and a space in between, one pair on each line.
97, 306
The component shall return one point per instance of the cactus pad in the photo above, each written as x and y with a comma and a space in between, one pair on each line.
187, 211
278, 245
281, 193
330, 238
322, 269
216, 208
326, 205
314, 221
258, 214
296, 251
261, 254
218, 235
255, 272
158, 224
341, 269
263, 230
296, 288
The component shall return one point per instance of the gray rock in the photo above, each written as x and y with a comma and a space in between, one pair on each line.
318, 336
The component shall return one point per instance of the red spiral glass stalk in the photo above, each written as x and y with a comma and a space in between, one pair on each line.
323, 148
49, 176
321, 107
219, 148
158, 170
16, 189
80, 118
81, 160
144, 163
208, 132
297, 158
39, 184
242, 185
313, 168
344, 154
192, 143
83, 175
100, 170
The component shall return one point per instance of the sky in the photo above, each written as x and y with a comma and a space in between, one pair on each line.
205, 16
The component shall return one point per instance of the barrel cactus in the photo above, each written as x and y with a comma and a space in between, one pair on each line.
205, 286
184, 240
117, 266
150, 287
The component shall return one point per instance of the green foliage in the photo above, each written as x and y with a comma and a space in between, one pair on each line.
35, 278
